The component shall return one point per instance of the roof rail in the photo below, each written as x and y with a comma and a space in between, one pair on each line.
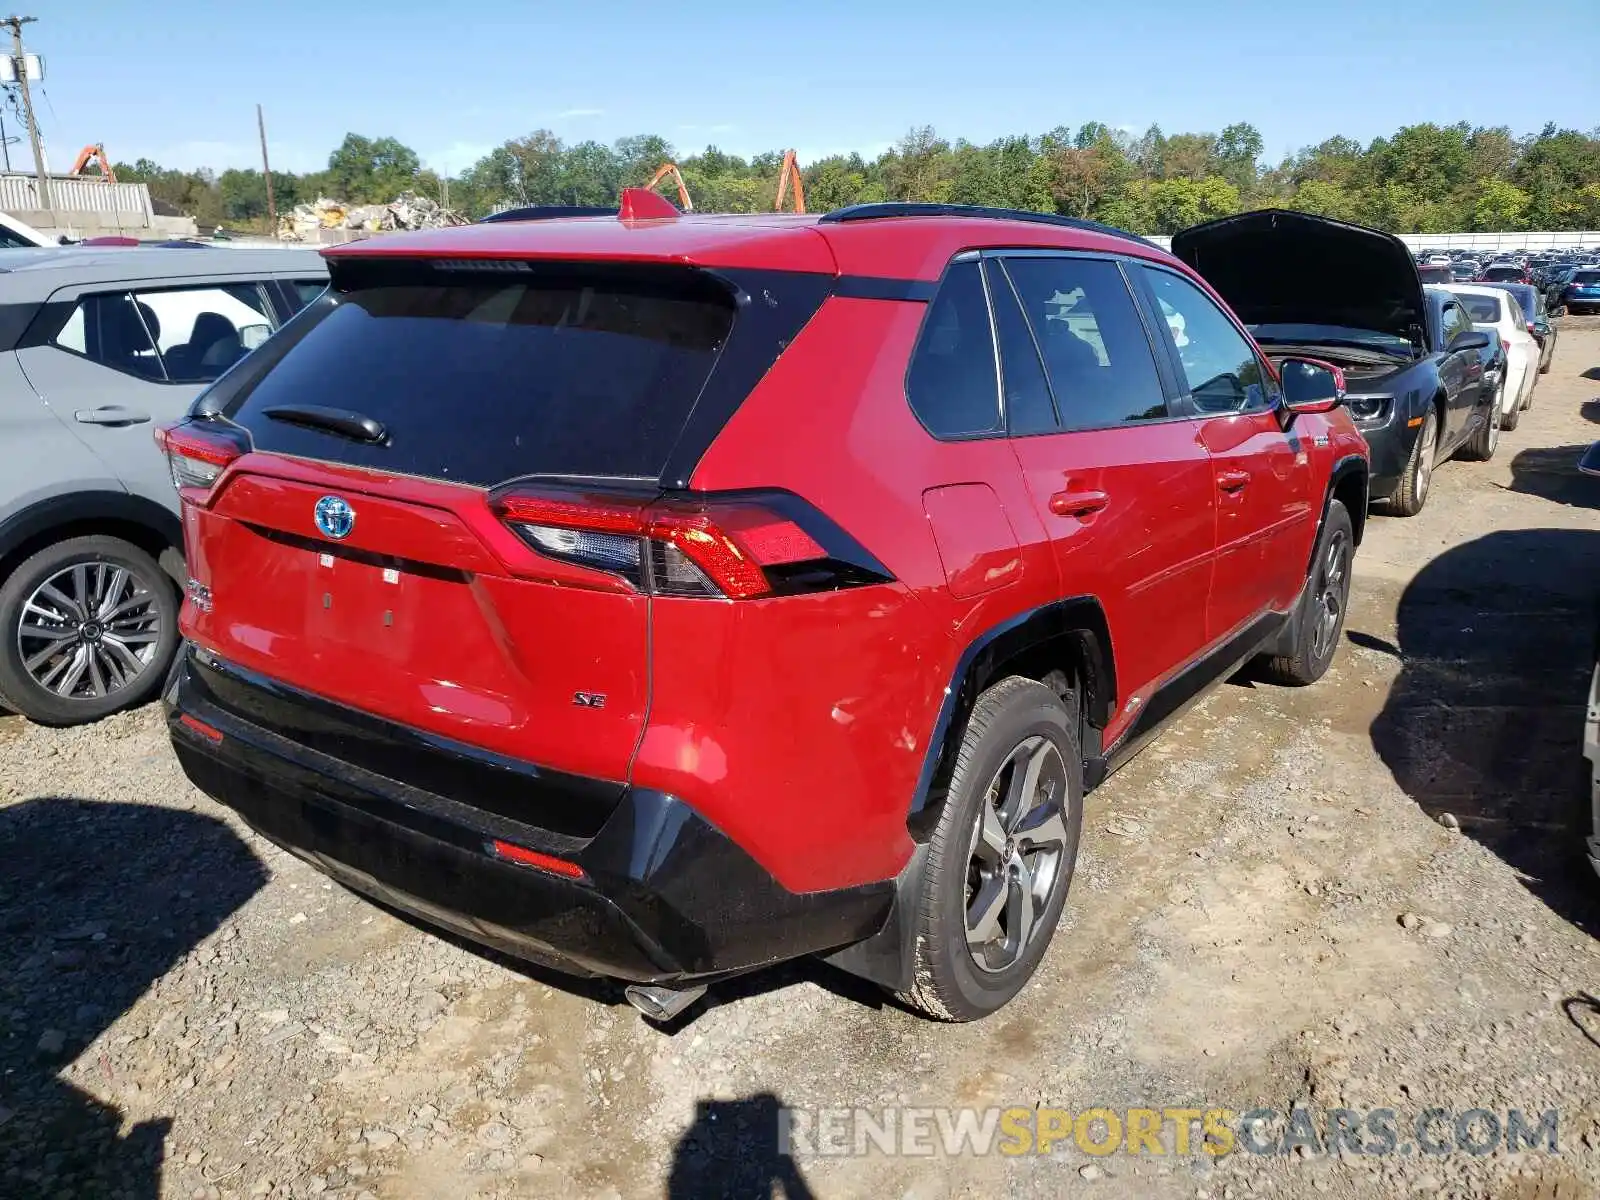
908, 208
549, 212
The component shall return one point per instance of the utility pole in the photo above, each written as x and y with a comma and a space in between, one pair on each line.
266, 170
15, 24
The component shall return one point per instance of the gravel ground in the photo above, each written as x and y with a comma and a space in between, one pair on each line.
1365, 894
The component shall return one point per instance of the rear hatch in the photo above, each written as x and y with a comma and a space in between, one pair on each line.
356, 552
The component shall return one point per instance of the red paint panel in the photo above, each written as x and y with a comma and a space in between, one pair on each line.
785, 723
1265, 504
431, 614
1147, 553
976, 543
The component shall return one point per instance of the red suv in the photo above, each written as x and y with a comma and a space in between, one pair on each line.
662, 597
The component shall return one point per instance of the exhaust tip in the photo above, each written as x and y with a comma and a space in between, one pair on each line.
662, 1003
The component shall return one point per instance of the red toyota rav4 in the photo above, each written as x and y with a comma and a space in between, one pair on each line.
661, 597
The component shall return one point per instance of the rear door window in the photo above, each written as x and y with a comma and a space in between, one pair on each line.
201, 332
1099, 361
175, 335
1029, 406
952, 382
487, 377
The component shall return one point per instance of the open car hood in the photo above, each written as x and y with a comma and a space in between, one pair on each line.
1278, 267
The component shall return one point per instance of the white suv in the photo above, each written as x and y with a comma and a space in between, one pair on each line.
97, 348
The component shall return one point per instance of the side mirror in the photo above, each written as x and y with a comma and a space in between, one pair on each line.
1471, 340
252, 336
1311, 385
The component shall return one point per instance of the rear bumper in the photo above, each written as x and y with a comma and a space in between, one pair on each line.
664, 897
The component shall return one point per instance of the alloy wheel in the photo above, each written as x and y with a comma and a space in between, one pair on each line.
89, 630
1332, 584
1015, 856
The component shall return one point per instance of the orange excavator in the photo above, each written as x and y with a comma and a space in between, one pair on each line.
96, 155
671, 168
790, 174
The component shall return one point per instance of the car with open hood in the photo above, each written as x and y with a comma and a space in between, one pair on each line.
1349, 295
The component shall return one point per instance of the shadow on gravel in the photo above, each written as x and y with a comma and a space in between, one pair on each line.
1551, 472
97, 902
733, 1151
1497, 642
610, 991
1591, 410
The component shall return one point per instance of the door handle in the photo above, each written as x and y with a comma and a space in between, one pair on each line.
1078, 504
110, 414
1232, 481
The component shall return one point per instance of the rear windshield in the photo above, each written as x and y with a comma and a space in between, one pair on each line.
484, 379
1434, 274
1503, 273
1484, 310
1586, 277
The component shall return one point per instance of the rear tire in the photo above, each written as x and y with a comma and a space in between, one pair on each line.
1510, 419
1487, 440
1002, 855
113, 614
1319, 617
1416, 481
1533, 386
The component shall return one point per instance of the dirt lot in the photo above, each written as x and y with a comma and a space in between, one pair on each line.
1365, 894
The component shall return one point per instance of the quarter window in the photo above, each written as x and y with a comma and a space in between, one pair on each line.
1219, 364
952, 383
1095, 351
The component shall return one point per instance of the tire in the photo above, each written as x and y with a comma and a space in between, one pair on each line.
1533, 386
1017, 722
1484, 443
1509, 420
1417, 479
1319, 617
1544, 367
108, 671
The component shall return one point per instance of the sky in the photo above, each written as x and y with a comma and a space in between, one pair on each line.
178, 81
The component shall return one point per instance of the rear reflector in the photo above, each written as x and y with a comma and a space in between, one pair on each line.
200, 727
532, 858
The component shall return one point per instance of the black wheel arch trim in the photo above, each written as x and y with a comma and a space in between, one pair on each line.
1347, 466
72, 508
1079, 623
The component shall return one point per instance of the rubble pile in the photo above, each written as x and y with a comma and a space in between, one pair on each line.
409, 210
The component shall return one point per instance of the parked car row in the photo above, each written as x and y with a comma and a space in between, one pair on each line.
660, 597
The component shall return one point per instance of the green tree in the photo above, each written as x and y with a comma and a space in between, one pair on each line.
371, 170
1238, 153
1499, 205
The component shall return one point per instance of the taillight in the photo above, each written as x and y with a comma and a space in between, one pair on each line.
195, 459
1505, 345
718, 547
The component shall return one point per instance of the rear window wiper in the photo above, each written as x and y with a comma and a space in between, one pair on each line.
342, 421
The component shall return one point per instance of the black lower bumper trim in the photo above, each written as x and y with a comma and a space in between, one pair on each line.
667, 897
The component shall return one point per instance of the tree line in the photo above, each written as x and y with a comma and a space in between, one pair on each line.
1423, 179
